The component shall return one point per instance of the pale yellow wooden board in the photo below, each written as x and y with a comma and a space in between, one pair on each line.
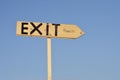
63, 31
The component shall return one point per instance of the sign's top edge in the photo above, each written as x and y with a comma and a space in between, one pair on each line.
48, 22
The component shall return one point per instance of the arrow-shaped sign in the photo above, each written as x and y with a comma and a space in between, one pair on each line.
48, 30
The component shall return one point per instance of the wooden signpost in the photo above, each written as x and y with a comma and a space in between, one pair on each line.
48, 30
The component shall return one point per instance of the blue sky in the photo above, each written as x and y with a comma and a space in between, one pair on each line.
94, 56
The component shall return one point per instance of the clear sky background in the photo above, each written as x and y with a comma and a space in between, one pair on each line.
94, 56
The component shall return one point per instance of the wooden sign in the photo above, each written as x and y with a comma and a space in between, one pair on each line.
48, 30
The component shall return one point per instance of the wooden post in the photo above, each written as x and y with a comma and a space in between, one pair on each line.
49, 59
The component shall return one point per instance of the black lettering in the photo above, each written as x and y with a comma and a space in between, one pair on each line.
47, 29
24, 28
36, 28
56, 28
